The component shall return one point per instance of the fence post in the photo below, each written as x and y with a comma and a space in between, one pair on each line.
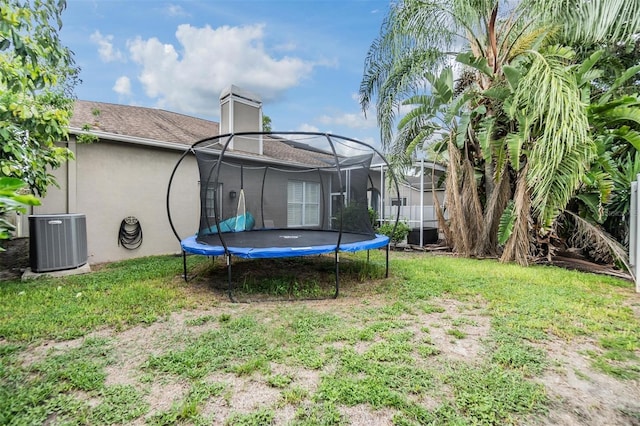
634, 252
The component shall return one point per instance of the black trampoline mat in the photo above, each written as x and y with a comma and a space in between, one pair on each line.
265, 238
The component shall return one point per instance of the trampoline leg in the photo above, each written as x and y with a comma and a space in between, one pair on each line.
184, 266
337, 257
229, 283
386, 275
367, 256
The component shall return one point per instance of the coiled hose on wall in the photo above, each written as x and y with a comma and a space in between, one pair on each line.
130, 233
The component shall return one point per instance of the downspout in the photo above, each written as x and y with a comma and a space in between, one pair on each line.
382, 193
72, 177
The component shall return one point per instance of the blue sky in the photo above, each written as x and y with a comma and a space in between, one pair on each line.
304, 58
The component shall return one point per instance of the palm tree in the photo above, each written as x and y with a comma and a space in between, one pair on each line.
614, 116
521, 123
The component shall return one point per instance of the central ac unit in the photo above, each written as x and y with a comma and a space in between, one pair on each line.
57, 242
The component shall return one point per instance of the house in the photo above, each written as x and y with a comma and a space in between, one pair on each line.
418, 185
125, 172
122, 170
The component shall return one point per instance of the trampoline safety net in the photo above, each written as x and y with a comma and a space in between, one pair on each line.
267, 195
310, 182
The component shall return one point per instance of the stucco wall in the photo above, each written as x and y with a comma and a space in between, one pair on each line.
109, 181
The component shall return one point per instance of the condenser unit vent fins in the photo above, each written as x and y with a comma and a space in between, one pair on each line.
57, 242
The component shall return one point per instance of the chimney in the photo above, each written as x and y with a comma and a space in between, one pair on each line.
241, 111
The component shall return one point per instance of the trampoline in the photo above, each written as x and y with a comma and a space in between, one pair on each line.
286, 194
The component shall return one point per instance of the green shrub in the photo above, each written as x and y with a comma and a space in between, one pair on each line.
373, 218
398, 235
354, 217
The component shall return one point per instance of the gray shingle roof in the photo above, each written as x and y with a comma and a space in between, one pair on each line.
280, 149
165, 126
141, 122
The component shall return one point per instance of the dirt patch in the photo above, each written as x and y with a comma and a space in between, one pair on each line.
163, 395
457, 331
364, 415
579, 395
15, 259
38, 353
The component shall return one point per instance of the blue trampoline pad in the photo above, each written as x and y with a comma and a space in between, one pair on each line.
272, 243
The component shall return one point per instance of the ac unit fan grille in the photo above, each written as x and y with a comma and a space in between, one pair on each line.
57, 242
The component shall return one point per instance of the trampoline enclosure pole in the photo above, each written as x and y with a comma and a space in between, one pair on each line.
337, 258
184, 266
229, 284
387, 271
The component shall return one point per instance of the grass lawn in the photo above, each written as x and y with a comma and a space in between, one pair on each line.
442, 341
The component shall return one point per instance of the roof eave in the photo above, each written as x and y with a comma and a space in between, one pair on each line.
169, 145
130, 139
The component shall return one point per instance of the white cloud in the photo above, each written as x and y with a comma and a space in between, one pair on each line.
371, 141
175, 10
122, 86
350, 120
404, 110
105, 47
285, 47
308, 128
209, 61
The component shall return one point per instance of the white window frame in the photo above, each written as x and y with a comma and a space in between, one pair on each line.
303, 204
211, 193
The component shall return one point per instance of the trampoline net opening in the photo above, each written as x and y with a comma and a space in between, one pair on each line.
298, 189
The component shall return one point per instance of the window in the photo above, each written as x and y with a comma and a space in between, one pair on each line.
209, 202
399, 201
303, 203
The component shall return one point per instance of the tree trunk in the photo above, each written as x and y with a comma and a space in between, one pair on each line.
517, 248
472, 207
457, 224
442, 223
465, 209
496, 203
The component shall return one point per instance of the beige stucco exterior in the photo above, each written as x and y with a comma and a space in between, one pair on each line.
118, 177
110, 180
127, 171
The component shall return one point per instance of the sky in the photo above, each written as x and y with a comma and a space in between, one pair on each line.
303, 58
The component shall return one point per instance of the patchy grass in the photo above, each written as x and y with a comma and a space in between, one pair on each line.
259, 417
240, 345
294, 278
32, 394
188, 409
119, 295
397, 348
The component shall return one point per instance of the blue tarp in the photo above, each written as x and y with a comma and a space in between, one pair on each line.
243, 222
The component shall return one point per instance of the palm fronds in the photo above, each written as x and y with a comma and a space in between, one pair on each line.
562, 147
591, 22
602, 246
